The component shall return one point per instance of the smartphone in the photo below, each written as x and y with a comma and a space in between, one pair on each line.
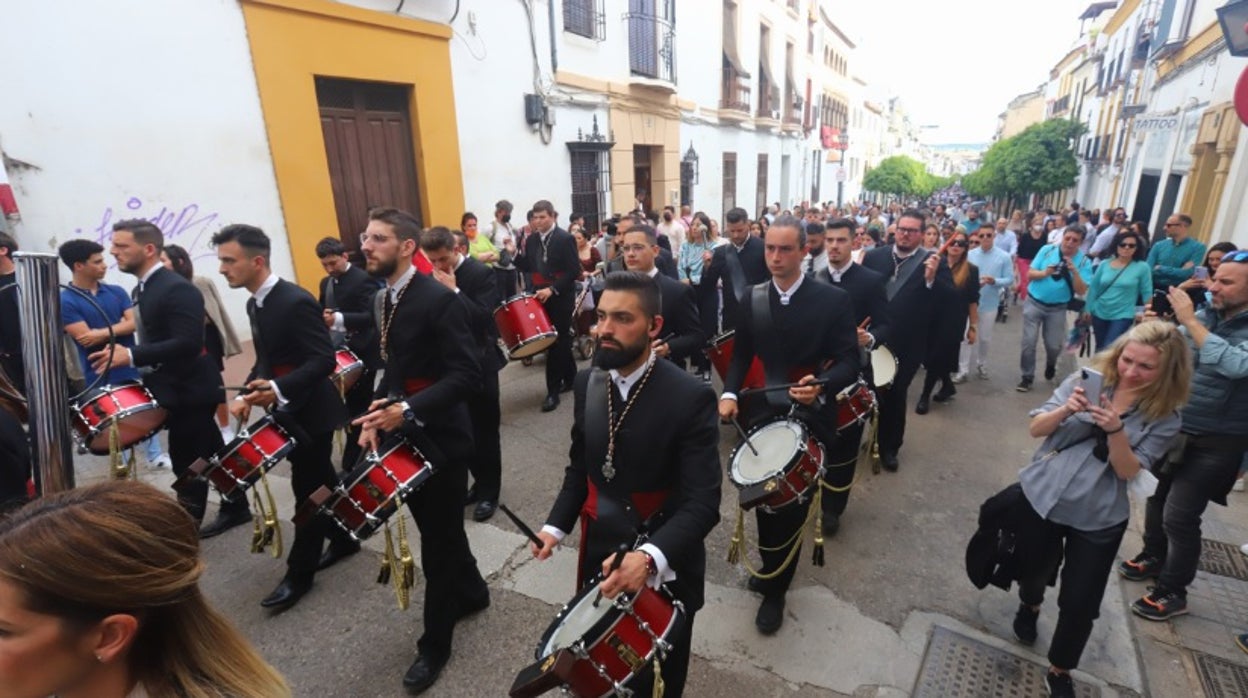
1161, 302
1092, 383
1200, 273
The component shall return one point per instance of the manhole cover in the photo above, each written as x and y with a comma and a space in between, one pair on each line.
1220, 678
1221, 558
957, 666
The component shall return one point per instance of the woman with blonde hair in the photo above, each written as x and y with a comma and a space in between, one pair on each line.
100, 598
1075, 489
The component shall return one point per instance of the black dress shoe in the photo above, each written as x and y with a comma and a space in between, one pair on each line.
335, 553
471, 497
945, 394
422, 674
225, 521
831, 524
468, 608
770, 614
888, 459
287, 594
485, 509
756, 585
551, 403
923, 405
566, 387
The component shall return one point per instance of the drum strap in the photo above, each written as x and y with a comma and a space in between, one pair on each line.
736, 274
764, 328
596, 426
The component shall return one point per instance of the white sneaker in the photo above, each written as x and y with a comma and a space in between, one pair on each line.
1239, 485
162, 461
959, 378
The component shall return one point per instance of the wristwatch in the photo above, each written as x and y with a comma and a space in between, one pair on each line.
408, 414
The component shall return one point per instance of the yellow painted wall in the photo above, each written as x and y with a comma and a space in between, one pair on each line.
292, 42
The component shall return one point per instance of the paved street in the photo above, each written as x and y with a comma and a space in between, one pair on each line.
859, 626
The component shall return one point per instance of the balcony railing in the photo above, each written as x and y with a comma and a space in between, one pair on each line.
768, 100
735, 91
792, 110
652, 46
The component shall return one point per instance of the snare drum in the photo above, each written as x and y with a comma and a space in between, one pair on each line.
256, 449
375, 490
129, 405
613, 641
789, 464
854, 405
348, 370
524, 326
720, 354
883, 367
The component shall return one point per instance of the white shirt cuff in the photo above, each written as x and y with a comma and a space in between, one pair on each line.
665, 574
281, 401
929, 284
728, 396
339, 324
559, 535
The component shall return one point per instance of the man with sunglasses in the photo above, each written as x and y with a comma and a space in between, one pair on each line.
1204, 461
1173, 259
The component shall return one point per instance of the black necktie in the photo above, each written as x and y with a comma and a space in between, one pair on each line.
331, 296
810, 266
263, 369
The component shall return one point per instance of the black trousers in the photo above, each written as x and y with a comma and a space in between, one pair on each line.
193, 433
675, 669
452, 579
1088, 559
487, 465
841, 463
560, 366
311, 467
357, 399
14, 370
893, 404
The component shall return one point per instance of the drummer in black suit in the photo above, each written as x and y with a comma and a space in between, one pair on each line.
911, 275
866, 290
551, 259
476, 286
181, 376
290, 377
801, 331
430, 368
682, 331
346, 296
657, 466
740, 265
664, 261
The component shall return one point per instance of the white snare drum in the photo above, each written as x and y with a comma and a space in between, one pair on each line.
788, 465
883, 367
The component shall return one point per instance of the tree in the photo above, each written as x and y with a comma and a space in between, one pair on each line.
1040, 160
903, 176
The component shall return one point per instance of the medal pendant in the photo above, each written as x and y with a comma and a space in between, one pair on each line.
608, 470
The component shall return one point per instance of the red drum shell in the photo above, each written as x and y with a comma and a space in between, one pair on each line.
347, 370
136, 412
235, 468
854, 405
524, 326
720, 354
375, 490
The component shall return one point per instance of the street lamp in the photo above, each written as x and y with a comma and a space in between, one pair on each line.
691, 157
1233, 16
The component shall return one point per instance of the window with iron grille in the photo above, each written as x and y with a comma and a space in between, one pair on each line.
585, 18
686, 183
730, 181
760, 193
652, 38
590, 184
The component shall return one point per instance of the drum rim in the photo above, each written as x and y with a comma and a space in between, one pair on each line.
518, 296
102, 390
357, 474
552, 335
801, 442
601, 628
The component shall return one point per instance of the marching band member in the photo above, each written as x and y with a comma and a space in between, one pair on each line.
182, 378
426, 344
644, 455
294, 359
801, 332
682, 330
476, 285
551, 258
740, 264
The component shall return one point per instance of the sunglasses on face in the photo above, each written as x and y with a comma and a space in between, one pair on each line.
1127, 244
958, 243
1240, 256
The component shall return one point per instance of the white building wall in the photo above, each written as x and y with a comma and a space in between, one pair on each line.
163, 125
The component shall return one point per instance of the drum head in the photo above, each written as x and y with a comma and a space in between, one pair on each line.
577, 622
776, 442
883, 366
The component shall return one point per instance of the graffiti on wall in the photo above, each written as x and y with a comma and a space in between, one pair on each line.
189, 225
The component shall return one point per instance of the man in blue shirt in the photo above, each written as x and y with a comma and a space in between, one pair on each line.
1172, 260
996, 273
1058, 273
89, 329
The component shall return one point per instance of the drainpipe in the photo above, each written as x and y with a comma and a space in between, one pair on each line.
554, 52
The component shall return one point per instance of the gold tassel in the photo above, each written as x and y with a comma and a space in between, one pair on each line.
387, 558
738, 535
117, 464
816, 555
272, 529
658, 677
407, 566
873, 440
257, 533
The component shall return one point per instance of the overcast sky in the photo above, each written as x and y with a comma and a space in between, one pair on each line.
931, 54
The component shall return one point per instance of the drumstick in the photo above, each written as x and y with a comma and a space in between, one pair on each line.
386, 403
866, 322
615, 565
744, 437
522, 526
783, 386
243, 390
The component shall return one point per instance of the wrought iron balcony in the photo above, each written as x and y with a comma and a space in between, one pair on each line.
735, 91
652, 45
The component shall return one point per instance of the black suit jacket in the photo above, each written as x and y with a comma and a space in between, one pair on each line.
562, 266
479, 292
866, 290
353, 297
814, 331
911, 308
680, 318
172, 312
753, 265
669, 441
430, 340
664, 262
295, 343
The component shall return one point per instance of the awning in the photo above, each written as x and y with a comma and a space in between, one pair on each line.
730, 44
765, 66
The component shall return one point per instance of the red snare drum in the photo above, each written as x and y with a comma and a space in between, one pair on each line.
720, 354
524, 326
372, 492
854, 405
613, 641
255, 450
348, 370
788, 465
128, 404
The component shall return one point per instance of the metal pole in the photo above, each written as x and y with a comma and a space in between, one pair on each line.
47, 389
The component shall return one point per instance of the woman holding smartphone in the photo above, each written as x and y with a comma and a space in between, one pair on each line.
1076, 485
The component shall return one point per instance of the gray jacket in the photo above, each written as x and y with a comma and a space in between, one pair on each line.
1219, 400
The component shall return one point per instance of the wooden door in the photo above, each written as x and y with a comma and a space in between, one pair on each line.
368, 141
